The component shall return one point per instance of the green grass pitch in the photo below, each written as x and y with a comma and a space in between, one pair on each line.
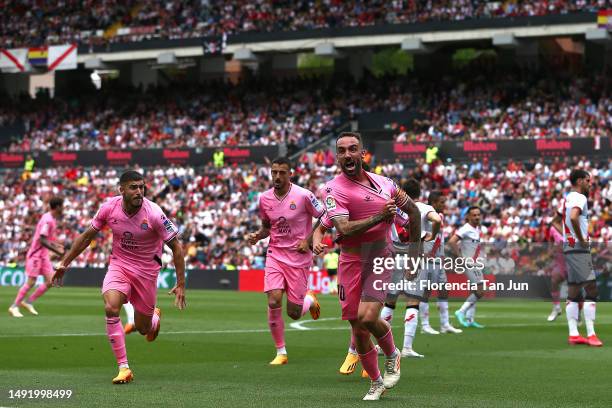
216, 354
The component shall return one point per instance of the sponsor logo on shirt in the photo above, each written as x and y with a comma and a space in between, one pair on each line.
128, 242
368, 198
328, 190
283, 227
330, 203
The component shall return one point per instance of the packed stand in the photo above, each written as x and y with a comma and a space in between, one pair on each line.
523, 104
299, 111
33, 23
215, 208
256, 112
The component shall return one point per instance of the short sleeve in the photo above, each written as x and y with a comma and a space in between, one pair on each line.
462, 232
314, 206
46, 228
576, 200
165, 228
262, 211
335, 205
326, 222
101, 217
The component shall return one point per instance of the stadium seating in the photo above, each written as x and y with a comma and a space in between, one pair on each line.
32, 23
492, 105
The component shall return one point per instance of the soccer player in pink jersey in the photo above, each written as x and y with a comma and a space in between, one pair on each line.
37, 258
362, 206
286, 211
140, 228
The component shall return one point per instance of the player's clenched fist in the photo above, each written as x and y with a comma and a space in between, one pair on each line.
252, 238
388, 211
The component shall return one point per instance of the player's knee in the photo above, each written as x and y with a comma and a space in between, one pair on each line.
143, 328
111, 310
274, 303
368, 318
294, 313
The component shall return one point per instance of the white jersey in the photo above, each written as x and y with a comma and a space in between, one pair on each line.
575, 200
470, 241
435, 247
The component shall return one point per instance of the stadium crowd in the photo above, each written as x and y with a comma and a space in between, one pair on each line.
476, 104
34, 23
214, 208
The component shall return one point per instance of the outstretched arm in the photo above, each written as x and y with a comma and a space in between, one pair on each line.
179, 264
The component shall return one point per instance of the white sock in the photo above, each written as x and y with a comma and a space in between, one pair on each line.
129, 311
589, 309
424, 313
468, 303
471, 312
410, 325
443, 309
352, 350
124, 365
387, 314
571, 311
281, 350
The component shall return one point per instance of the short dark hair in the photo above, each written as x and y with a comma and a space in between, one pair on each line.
356, 135
412, 187
282, 160
56, 202
577, 174
434, 196
130, 175
473, 207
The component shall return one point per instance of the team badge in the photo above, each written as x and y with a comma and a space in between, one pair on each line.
144, 225
330, 203
292, 205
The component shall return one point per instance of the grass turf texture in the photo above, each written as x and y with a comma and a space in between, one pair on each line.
216, 353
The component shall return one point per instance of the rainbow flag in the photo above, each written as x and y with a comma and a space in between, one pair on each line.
38, 56
604, 19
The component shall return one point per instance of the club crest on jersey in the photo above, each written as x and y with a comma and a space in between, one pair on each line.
292, 206
330, 203
144, 225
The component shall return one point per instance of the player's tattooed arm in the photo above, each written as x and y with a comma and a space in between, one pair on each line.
179, 265
406, 204
264, 232
78, 246
348, 228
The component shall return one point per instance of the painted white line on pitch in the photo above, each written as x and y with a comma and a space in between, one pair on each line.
299, 325
266, 330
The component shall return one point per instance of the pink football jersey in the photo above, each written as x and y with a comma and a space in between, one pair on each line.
138, 239
45, 227
345, 197
291, 220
